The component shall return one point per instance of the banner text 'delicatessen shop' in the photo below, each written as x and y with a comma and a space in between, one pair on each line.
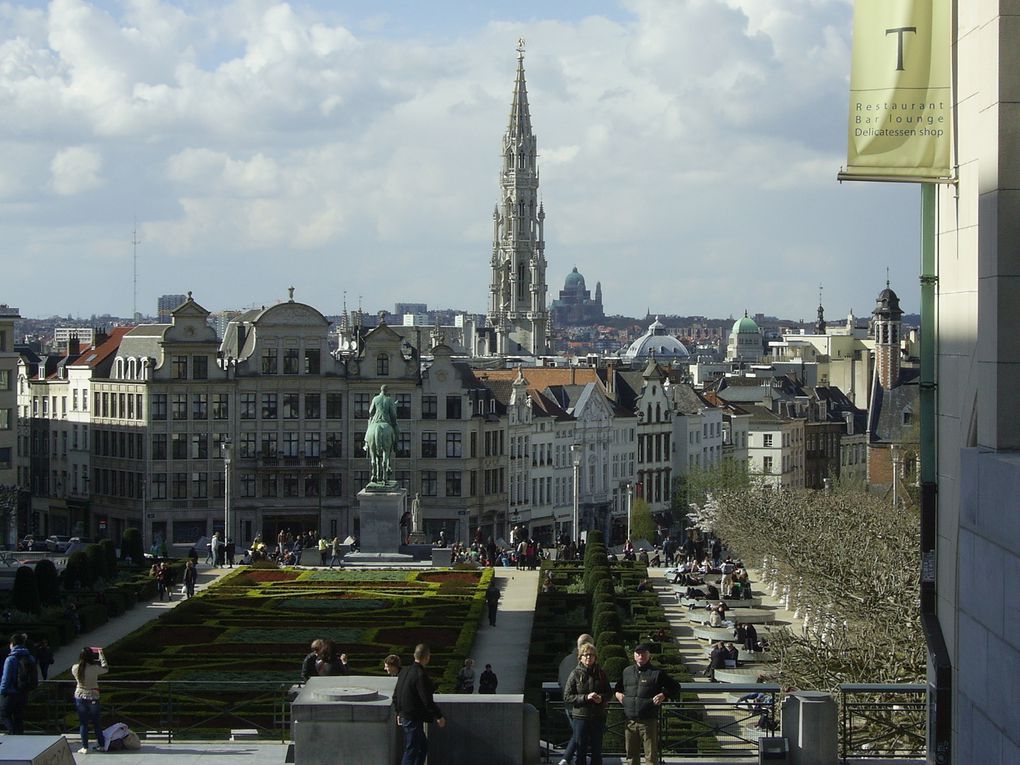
900, 94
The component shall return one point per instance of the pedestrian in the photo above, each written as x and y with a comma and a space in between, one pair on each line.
568, 754
466, 677
492, 601
217, 549
190, 577
587, 692
44, 657
335, 553
91, 664
392, 665
323, 551
488, 681
415, 706
209, 553
230, 549
19, 677
641, 689
323, 661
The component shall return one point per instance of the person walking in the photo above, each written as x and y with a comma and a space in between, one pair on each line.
44, 657
587, 692
641, 689
492, 601
230, 550
488, 681
91, 664
466, 677
415, 706
190, 577
19, 677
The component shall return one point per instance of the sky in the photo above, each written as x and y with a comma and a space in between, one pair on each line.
688, 152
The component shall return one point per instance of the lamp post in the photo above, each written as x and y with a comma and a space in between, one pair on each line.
226, 490
576, 451
630, 505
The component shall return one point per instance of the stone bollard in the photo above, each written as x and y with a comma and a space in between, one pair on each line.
810, 724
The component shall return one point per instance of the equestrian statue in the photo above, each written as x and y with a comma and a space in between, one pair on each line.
381, 439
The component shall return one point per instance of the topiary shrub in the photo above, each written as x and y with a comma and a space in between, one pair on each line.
97, 559
612, 651
26, 592
613, 667
48, 581
131, 546
607, 638
110, 554
78, 571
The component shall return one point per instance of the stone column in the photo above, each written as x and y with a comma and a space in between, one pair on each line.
810, 725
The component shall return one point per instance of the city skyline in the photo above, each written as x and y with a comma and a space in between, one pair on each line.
688, 155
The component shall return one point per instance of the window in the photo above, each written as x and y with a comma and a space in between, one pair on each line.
269, 486
200, 367
453, 407
179, 444
180, 487
221, 406
453, 482
268, 406
313, 442
157, 405
428, 483
218, 439
270, 445
291, 406
217, 484
429, 407
334, 445
767, 440
179, 404
159, 485
158, 446
200, 485
359, 445
404, 445
312, 363
200, 446
179, 368
269, 361
429, 441
200, 406
247, 484
290, 361
766, 465
362, 402
290, 444
454, 445
334, 406
382, 365
5, 419
248, 406
313, 406
334, 484
311, 485
403, 406
290, 485
246, 446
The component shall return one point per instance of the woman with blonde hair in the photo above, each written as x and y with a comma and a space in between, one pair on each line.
91, 664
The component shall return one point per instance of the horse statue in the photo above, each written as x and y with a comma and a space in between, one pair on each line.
381, 437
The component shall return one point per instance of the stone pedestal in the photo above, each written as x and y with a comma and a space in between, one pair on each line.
379, 513
416, 538
810, 724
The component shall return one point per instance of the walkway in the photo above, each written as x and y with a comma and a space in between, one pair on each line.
506, 645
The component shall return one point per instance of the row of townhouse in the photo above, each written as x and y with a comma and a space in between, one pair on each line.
148, 427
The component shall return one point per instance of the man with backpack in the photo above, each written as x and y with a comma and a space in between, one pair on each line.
20, 676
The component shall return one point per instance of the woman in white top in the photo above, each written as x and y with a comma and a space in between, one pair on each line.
91, 664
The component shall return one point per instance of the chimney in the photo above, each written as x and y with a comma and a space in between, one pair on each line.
611, 380
73, 346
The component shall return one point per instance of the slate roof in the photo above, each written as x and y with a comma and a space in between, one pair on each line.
885, 423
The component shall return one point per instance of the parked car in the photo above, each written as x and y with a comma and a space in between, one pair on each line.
57, 543
83, 541
31, 544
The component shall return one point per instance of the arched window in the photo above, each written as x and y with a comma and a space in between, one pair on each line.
146, 369
658, 412
132, 369
649, 415
118, 368
510, 160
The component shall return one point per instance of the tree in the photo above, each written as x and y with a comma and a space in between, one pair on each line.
642, 525
48, 582
26, 591
131, 546
78, 571
848, 561
110, 557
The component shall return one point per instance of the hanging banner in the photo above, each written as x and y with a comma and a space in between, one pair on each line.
900, 91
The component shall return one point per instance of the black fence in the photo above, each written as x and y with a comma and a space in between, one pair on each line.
887, 721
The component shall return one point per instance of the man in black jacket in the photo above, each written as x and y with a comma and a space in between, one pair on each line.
641, 689
412, 698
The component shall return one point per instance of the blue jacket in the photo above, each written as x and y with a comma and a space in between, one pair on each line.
8, 683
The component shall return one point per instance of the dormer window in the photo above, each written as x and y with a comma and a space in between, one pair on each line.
382, 365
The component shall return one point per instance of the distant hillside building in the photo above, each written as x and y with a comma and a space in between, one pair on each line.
166, 304
575, 305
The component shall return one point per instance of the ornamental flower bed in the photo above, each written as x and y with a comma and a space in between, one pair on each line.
255, 626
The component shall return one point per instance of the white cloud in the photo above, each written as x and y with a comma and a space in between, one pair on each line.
76, 169
272, 136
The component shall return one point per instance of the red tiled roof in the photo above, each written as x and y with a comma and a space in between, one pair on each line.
91, 357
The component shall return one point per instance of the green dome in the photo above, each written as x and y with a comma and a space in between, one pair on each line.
744, 326
574, 282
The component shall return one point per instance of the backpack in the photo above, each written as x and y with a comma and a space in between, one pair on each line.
27, 678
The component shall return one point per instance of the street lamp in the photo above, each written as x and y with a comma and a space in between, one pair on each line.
576, 452
226, 490
630, 505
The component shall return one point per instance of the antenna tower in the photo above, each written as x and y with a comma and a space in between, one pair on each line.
134, 279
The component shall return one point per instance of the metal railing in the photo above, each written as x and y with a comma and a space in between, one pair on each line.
708, 719
177, 709
888, 721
